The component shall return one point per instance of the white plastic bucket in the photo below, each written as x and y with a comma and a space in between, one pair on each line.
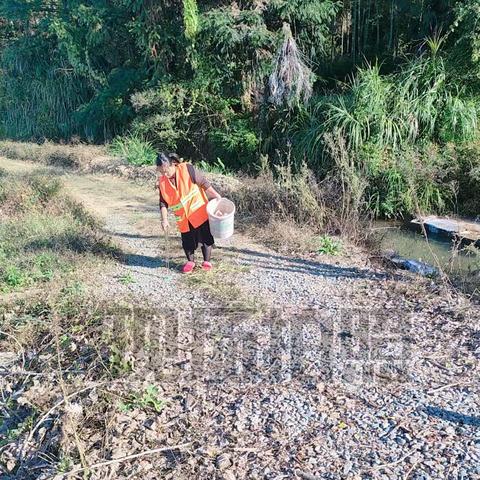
221, 214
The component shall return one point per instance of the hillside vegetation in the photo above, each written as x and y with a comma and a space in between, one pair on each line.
380, 94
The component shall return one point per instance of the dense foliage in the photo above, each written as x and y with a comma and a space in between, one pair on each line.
396, 82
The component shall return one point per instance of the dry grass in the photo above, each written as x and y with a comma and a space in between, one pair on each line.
290, 211
70, 156
79, 351
285, 236
292, 80
282, 195
220, 285
468, 283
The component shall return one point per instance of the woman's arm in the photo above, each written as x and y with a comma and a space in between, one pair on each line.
212, 193
164, 215
163, 209
203, 183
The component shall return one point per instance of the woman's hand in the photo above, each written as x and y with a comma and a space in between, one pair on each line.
164, 217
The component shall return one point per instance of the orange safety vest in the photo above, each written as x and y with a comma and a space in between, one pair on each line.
187, 200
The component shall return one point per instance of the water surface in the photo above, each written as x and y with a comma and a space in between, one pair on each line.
437, 251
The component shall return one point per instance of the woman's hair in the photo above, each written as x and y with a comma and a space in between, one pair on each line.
166, 159
174, 158
163, 160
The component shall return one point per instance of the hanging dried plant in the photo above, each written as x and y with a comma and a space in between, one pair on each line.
291, 81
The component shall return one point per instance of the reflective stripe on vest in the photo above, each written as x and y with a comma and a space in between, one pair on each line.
176, 207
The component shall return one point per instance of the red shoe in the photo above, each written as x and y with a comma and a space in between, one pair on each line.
207, 266
188, 267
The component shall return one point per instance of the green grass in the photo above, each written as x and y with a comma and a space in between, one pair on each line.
216, 167
127, 279
14, 434
134, 149
396, 130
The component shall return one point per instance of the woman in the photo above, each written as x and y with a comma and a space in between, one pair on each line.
186, 191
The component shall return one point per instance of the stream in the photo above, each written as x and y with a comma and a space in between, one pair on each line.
438, 251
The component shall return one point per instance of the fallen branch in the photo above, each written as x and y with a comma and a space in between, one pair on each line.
28, 373
7, 373
410, 470
307, 476
387, 465
444, 387
123, 459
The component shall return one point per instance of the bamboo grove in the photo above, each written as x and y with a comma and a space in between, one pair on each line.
395, 83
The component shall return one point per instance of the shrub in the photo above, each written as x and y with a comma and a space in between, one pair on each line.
281, 194
188, 118
466, 175
395, 128
420, 103
237, 141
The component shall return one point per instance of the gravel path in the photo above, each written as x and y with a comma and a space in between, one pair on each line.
347, 371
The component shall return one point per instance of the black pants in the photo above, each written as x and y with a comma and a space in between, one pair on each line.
200, 235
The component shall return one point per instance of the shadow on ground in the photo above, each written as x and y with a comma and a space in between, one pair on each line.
454, 417
299, 265
264, 261
147, 261
131, 235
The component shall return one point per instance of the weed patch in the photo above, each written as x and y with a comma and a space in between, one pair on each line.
329, 246
66, 340
217, 167
289, 210
220, 285
149, 399
127, 279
